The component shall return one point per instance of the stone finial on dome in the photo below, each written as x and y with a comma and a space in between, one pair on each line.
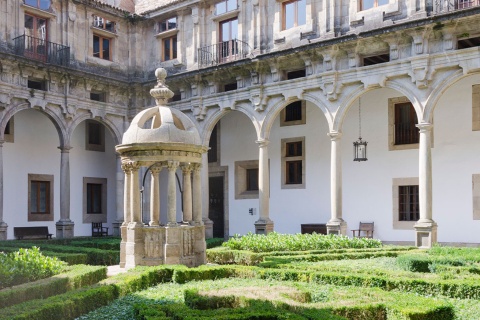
161, 92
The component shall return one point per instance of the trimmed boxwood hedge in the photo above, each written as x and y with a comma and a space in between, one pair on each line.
73, 278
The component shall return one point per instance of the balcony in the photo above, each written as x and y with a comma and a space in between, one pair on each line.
222, 52
442, 6
42, 50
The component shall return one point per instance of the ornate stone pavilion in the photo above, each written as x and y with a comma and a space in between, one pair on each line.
158, 138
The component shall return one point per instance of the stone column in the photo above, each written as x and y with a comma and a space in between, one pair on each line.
3, 225
155, 195
206, 198
65, 225
263, 225
336, 225
135, 208
126, 213
426, 228
119, 200
187, 193
172, 194
197, 194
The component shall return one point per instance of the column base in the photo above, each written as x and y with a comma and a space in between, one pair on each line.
338, 227
3, 231
263, 226
208, 228
116, 228
134, 245
425, 233
65, 229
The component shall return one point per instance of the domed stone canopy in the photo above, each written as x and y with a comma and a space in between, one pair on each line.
165, 126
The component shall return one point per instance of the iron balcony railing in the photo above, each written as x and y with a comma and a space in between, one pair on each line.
222, 52
441, 6
42, 50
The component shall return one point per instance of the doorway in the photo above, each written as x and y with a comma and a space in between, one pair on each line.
216, 211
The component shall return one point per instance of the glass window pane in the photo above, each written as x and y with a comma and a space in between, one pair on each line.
382, 2
41, 29
225, 31
367, 4
96, 46
44, 4
98, 22
289, 15
172, 23
221, 8
28, 25
43, 197
106, 49
166, 49
302, 12
234, 29
32, 3
110, 25
231, 5
174, 48
33, 197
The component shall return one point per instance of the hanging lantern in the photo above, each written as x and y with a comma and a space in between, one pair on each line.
360, 146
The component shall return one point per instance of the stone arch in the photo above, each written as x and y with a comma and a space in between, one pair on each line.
439, 90
114, 131
273, 112
57, 121
349, 100
215, 118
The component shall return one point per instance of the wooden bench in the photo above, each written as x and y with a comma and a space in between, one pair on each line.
320, 228
366, 228
98, 230
31, 232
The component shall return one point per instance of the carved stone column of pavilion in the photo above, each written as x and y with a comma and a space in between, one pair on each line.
119, 200
65, 225
3, 225
197, 195
336, 225
425, 228
263, 225
135, 207
187, 193
126, 212
206, 198
155, 196
172, 194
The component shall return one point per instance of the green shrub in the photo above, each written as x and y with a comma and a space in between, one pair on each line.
297, 242
73, 277
214, 242
27, 265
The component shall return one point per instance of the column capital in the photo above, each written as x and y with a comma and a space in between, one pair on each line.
154, 170
335, 135
196, 166
186, 168
172, 165
424, 126
262, 143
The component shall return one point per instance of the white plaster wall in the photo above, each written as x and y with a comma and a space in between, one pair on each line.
35, 151
367, 186
92, 164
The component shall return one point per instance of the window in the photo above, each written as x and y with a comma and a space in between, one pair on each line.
36, 37
381, 58
37, 84
402, 120
468, 43
293, 114
246, 179
252, 179
225, 6
230, 87
294, 14
40, 197
228, 39
8, 134
296, 74
368, 4
408, 207
40, 4
169, 48
101, 47
462, 4
293, 163
94, 200
98, 96
167, 24
102, 23
405, 199
95, 136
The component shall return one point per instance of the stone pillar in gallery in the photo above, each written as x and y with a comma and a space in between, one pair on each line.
263, 225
